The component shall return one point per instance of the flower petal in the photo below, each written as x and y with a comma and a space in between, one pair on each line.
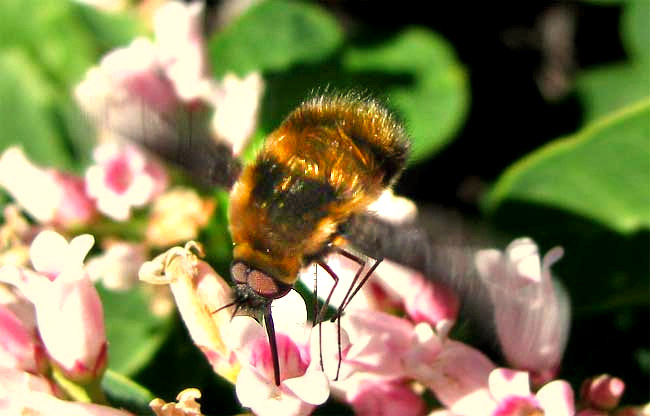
557, 398
312, 388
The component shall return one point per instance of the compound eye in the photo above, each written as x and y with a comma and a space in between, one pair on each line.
262, 283
239, 272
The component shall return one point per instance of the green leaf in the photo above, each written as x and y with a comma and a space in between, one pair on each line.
51, 35
25, 96
434, 98
273, 36
109, 30
606, 89
125, 393
134, 333
602, 172
636, 30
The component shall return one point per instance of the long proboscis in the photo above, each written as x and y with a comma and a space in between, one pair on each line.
270, 332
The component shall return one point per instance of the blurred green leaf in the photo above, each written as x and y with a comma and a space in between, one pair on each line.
611, 87
635, 28
602, 172
109, 30
125, 393
434, 98
24, 98
134, 333
52, 36
272, 36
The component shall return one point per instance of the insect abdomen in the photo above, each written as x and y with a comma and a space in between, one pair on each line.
366, 122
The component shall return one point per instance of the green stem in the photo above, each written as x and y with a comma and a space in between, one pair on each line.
90, 392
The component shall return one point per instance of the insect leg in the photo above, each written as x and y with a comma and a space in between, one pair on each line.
327, 268
322, 313
350, 294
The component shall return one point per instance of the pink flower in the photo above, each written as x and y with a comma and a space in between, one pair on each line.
302, 386
180, 48
68, 309
237, 104
375, 398
422, 299
198, 291
373, 342
603, 392
117, 267
20, 346
511, 390
163, 89
237, 347
49, 196
456, 373
531, 313
123, 178
391, 286
23, 393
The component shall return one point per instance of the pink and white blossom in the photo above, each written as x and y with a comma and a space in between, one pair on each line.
20, 345
117, 266
151, 88
49, 196
122, 178
237, 347
602, 392
23, 393
237, 102
198, 291
302, 386
381, 397
531, 311
391, 287
511, 391
68, 309
456, 373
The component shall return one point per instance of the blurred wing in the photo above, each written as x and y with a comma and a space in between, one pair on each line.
440, 245
184, 139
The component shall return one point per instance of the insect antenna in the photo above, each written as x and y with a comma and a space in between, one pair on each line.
227, 305
270, 332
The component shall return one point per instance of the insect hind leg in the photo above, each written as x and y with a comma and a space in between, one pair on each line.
351, 292
354, 287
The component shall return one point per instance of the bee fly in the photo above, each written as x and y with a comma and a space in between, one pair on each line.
302, 198
328, 160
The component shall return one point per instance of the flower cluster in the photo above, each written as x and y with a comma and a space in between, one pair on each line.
375, 360
393, 342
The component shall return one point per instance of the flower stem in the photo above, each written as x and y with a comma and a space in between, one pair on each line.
90, 392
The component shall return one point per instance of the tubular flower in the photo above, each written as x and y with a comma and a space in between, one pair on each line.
603, 392
68, 309
237, 347
22, 393
531, 312
20, 346
49, 196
